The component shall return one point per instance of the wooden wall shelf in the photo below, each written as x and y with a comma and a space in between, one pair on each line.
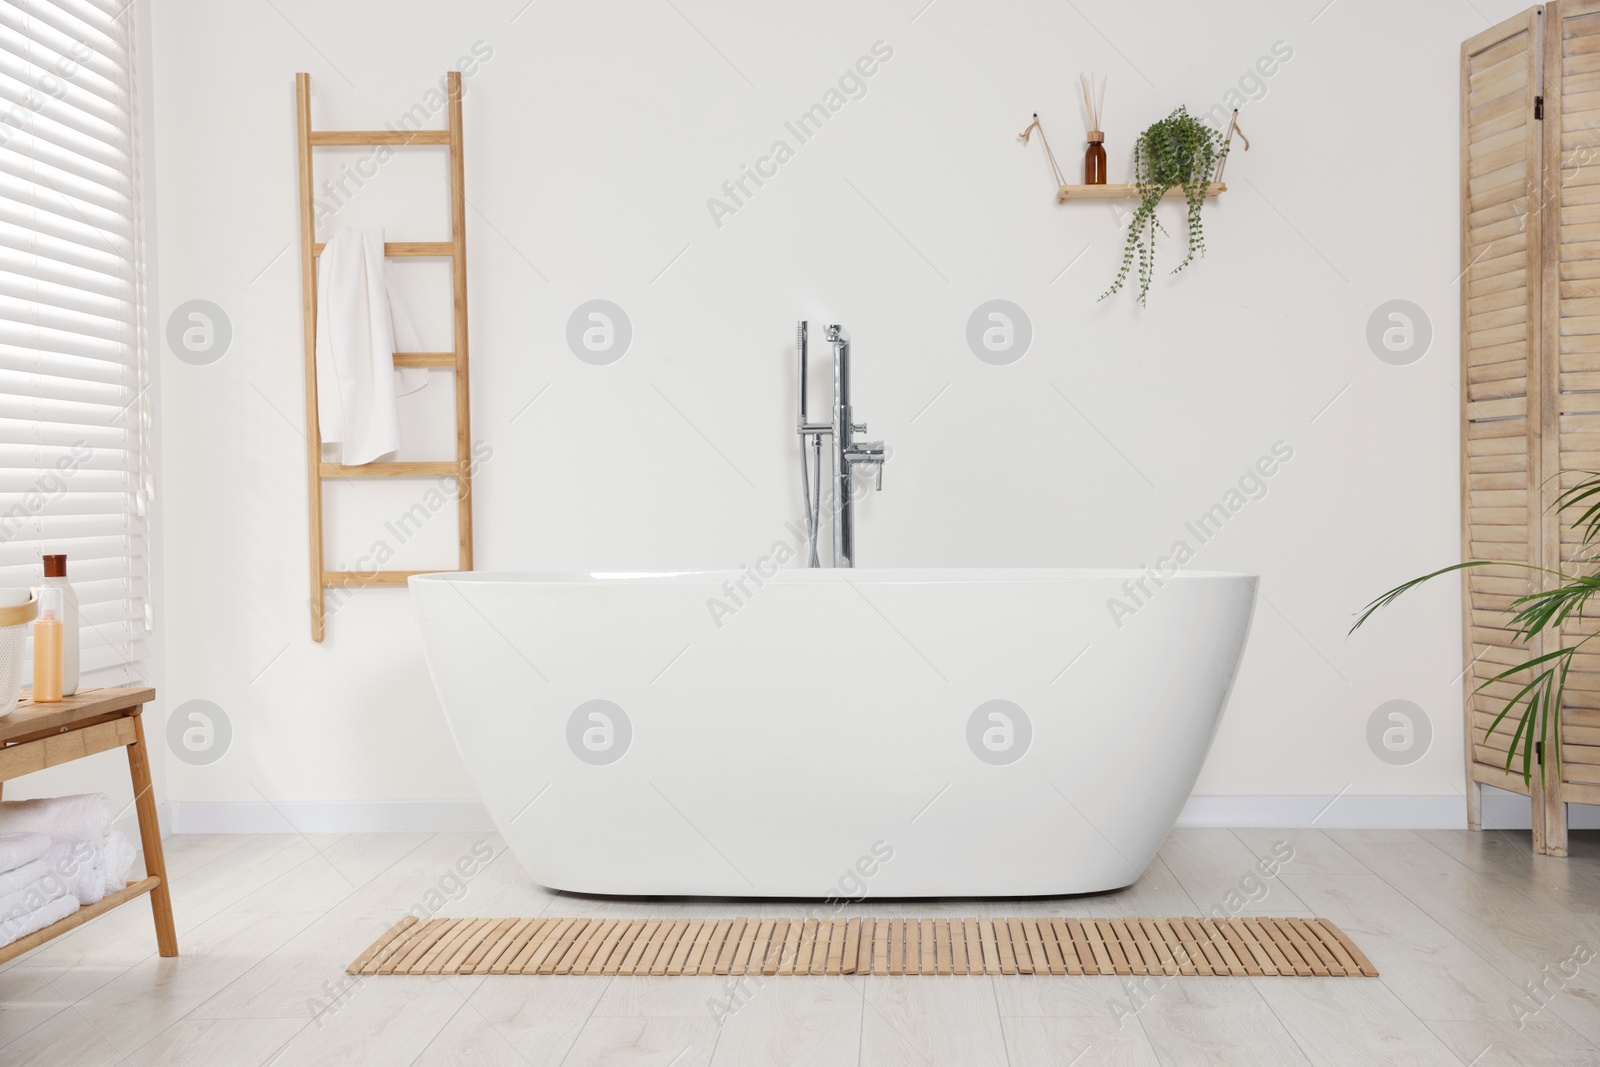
1122, 192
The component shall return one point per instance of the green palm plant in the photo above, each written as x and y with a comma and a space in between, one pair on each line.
1543, 678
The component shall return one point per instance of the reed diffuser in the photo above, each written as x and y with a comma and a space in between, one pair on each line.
1094, 159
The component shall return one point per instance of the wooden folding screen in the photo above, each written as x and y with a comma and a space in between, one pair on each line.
1530, 363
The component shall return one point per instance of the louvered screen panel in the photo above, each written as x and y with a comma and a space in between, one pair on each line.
1572, 332
1500, 301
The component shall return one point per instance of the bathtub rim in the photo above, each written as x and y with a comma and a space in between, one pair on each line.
824, 575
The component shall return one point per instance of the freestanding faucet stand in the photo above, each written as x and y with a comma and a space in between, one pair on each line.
847, 452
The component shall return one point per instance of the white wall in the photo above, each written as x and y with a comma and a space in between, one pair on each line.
596, 133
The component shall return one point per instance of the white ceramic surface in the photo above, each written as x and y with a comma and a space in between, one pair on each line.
785, 748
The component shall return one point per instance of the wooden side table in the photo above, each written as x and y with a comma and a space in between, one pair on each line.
36, 736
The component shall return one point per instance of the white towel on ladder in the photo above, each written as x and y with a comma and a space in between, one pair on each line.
360, 325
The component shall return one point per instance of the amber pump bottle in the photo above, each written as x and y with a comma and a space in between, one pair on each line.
47, 636
1094, 160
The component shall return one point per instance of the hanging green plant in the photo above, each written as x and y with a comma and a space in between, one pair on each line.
1180, 150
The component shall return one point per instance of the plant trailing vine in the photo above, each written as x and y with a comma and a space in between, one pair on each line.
1180, 150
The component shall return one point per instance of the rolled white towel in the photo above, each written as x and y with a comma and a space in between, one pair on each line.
54, 910
117, 860
29, 872
18, 905
83, 815
79, 865
17, 849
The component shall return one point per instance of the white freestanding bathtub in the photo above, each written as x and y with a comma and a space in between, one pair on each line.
893, 733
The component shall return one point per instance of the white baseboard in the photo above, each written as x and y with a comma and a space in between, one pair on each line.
1502, 810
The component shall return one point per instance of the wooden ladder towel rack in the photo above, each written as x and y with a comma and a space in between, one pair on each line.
456, 250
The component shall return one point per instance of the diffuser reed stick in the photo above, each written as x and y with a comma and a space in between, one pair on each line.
1094, 104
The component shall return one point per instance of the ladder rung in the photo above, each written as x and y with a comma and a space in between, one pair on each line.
352, 579
361, 137
424, 359
388, 470
404, 248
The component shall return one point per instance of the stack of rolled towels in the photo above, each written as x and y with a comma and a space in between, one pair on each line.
57, 854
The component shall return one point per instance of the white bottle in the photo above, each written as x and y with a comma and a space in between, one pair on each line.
55, 576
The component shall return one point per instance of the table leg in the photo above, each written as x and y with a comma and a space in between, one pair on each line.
150, 837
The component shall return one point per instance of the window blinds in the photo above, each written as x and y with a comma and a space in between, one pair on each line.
73, 466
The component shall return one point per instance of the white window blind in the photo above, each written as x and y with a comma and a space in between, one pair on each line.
73, 464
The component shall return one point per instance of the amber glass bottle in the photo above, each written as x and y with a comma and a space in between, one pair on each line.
1094, 160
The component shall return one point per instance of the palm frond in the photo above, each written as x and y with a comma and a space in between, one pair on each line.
1394, 594
1542, 611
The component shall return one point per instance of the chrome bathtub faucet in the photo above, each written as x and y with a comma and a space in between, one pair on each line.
848, 453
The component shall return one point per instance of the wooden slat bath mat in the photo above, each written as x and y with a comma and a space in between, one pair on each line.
1240, 947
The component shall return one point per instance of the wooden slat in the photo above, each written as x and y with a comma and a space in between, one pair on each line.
1120, 963
1190, 959
431, 359
308, 336
638, 942
747, 946
807, 947
966, 955
691, 937
1064, 952
563, 944
28, 756
1158, 944
1244, 936
730, 946
353, 579
713, 952
836, 946
596, 963
791, 947
523, 948
483, 946
402, 249
869, 933
86, 707
377, 137
458, 292
389, 470
780, 931
1041, 943
456, 959
669, 946
942, 949
428, 962
395, 935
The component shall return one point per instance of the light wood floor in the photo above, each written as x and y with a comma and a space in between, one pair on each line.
1456, 922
